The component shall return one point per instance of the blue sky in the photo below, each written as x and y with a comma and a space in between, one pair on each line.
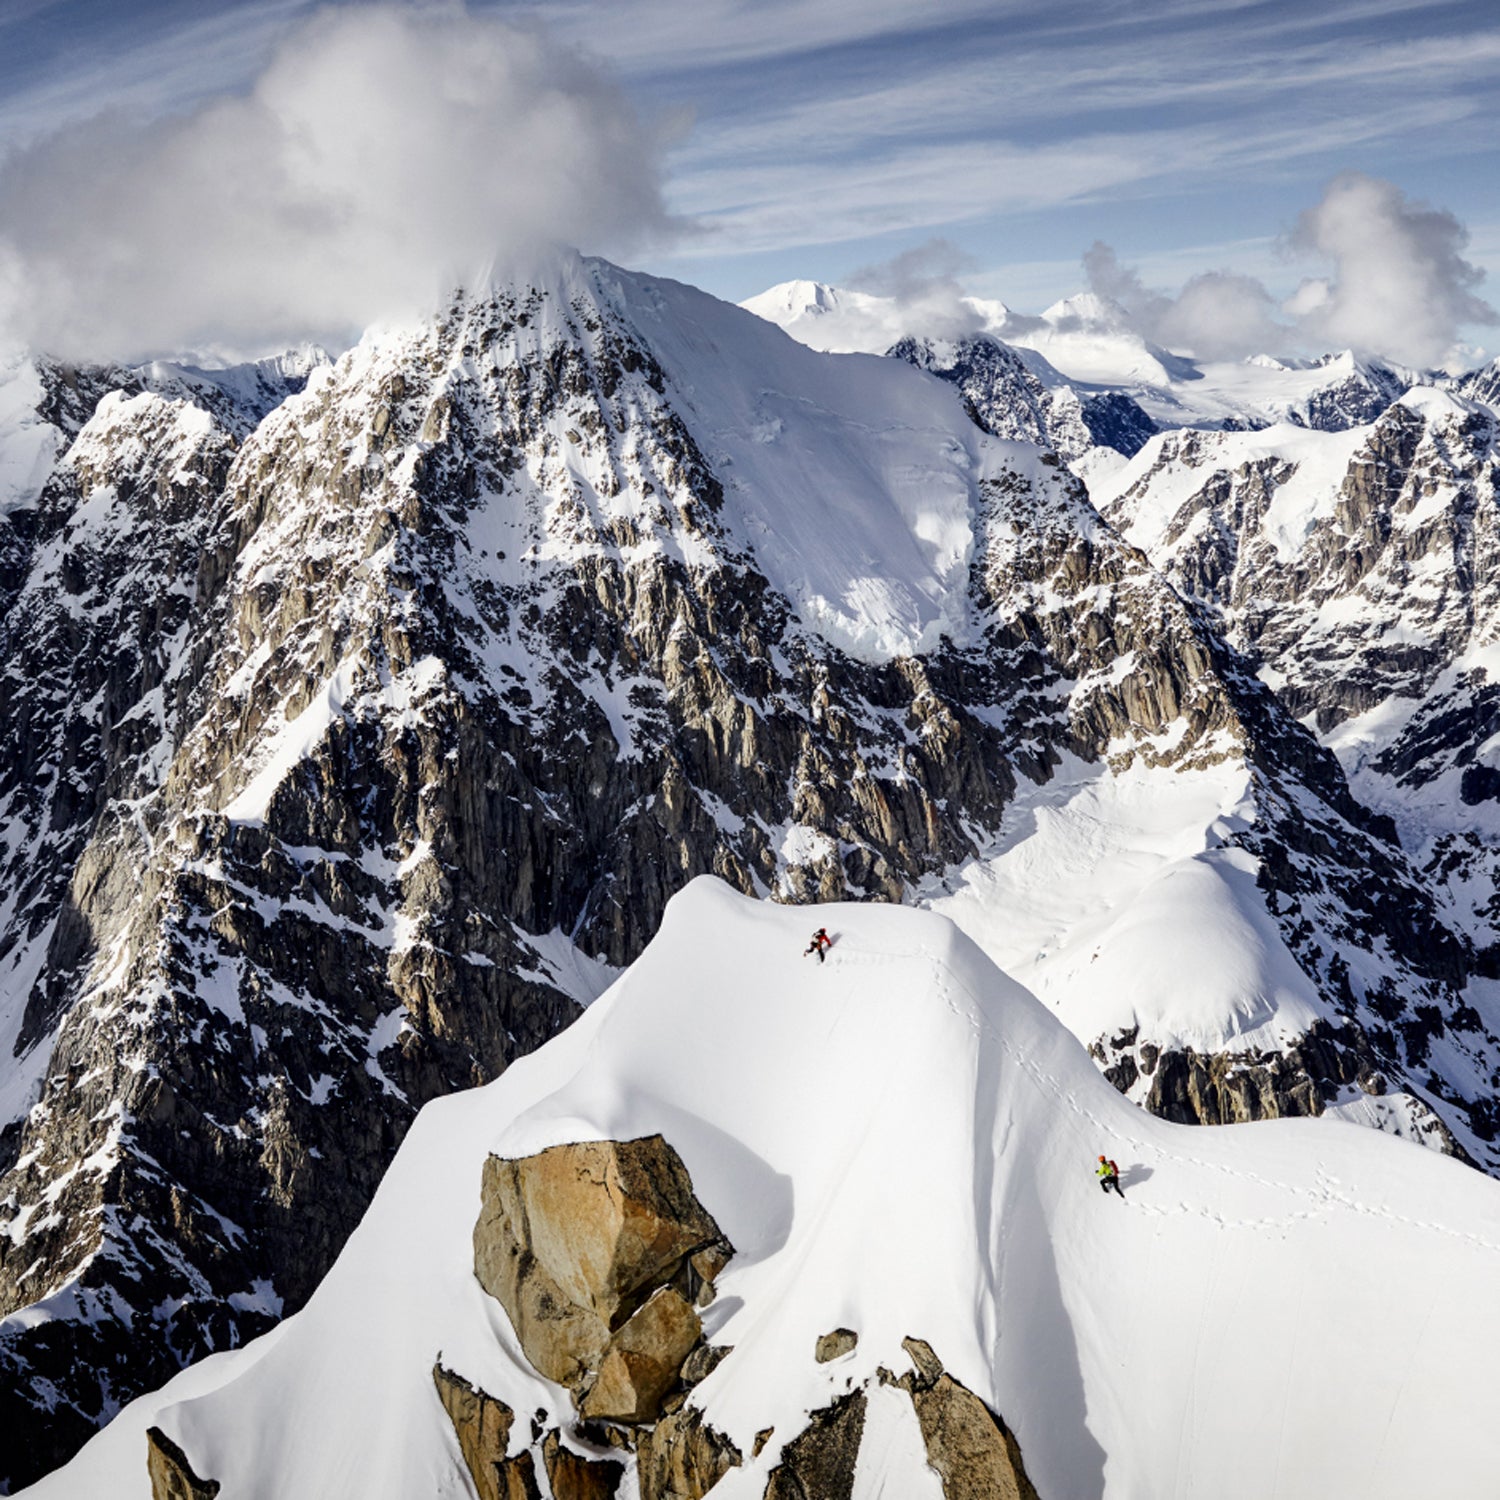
810, 138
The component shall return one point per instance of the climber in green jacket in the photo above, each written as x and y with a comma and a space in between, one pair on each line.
1109, 1176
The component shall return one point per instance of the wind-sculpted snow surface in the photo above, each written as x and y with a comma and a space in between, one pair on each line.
363, 740
900, 1142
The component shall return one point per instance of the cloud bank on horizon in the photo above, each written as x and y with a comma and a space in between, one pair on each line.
1397, 287
382, 154
1400, 286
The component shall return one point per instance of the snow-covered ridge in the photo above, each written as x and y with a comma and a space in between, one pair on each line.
900, 1141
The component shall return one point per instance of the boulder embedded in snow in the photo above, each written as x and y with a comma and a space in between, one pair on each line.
597, 1252
172, 1476
819, 1463
573, 1477
683, 1458
483, 1427
832, 1345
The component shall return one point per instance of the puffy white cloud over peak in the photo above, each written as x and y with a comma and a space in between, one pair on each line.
1397, 286
383, 153
1400, 284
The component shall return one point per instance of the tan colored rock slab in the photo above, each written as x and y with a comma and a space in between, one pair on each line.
172, 1476
683, 1458
835, 1345
575, 1240
643, 1361
974, 1452
482, 1424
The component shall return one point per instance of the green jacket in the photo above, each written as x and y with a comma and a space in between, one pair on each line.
1107, 1169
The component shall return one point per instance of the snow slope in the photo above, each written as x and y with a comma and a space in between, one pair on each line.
857, 493
1118, 901
901, 1141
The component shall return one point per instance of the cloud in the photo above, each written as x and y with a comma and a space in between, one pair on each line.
382, 154
924, 286
1398, 286
1216, 315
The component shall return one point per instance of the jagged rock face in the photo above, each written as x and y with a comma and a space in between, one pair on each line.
482, 1425
1359, 573
445, 675
1482, 385
1316, 584
818, 1464
1357, 392
572, 1477
1004, 396
682, 1457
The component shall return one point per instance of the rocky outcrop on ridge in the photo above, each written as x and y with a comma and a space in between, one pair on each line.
172, 1476
599, 1253
578, 1243
974, 1453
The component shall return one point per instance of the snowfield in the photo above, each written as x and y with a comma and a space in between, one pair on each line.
901, 1141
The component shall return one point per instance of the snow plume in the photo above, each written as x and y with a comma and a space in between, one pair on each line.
384, 153
1400, 285
918, 293
923, 282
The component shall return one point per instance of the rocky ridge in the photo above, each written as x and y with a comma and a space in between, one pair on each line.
1005, 396
1358, 574
399, 714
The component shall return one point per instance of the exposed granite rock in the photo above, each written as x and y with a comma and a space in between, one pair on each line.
703, 1361
573, 1477
926, 1366
591, 1250
973, 1451
643, 1360
172, 1476
833, 1345
682, 1457
483, 1426
970, 1447
818, 1464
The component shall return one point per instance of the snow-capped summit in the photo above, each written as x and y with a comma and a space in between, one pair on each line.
836, 320
899, 1145
355, 748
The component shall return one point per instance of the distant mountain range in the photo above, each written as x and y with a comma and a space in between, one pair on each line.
362, 718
